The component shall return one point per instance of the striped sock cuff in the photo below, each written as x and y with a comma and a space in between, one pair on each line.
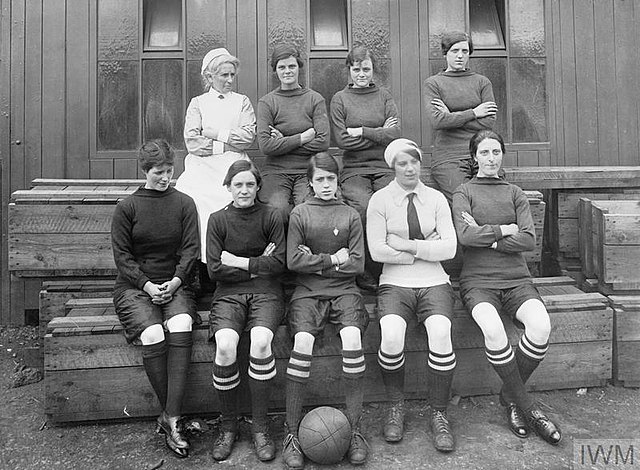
390, 362
501, 356
531, 349
353, 364
226, 377
442, 362
262, 368
299, 367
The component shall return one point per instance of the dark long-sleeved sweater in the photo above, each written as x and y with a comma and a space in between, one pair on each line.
246, 232
291, 112
368, 108
154, 235
324, 227
461, 92
493, 202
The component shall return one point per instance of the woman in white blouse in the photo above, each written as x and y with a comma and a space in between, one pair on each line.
220, 125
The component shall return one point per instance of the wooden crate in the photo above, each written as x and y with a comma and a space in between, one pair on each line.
91, 373
626, 339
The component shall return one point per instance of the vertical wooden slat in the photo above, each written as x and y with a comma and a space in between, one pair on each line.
425, 72
557, 131
410, 100
626, 80
263, 69
568, 77
586, 84
247, 47
394, 50
605, 67
17, 165
53, 88
33, 91
5, 150
77, 83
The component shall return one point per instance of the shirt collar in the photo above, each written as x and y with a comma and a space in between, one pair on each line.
399, 194
217, 94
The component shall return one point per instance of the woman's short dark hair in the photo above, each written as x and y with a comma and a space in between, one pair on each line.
323, 161
284, 51
155, 152
238, 167
485, 134
358, 54
450, 38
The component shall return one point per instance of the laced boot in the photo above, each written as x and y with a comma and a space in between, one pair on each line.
442, 436
394, 425
174, 439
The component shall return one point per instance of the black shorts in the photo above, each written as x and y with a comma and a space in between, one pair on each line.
241, 312
136, 312
311, 314
506, 301
416, 302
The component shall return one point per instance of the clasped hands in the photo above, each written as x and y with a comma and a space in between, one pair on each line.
162, 293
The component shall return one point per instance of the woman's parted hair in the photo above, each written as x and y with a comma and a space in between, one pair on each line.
484, 134
323, 161
450, 38
155, 152
358, 54
238, 167
284, 51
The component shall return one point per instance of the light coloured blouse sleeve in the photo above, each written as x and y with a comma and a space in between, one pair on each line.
196, 143
241, 137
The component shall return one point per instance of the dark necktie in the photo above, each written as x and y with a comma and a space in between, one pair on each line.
415, 232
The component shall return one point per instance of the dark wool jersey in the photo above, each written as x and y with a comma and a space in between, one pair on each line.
324, 227
246, 232
461, 92
368, 108
493, 202
291, 112
154, 235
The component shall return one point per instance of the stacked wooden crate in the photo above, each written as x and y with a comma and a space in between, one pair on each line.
626, 345
92, 373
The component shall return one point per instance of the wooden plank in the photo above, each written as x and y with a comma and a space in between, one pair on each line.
33, 90
568, 83
585, 237
50, 219
568, 237
574, 177
621, 229
409, 104
16, 160
620, 265
77, 86
58, 253
53, 87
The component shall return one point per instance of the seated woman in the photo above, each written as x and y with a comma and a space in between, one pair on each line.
494, 225
292, 126
364, 119
154, 234
325, 248
245, 255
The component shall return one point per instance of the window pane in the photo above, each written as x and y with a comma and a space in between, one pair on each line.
529, 98
163, 111
328, 23
195, 86
117, 29
370, 21
328, 76
444, 15
495, 69
162, 24
287, 24
206, 26
117, 105
486, 29
526, 28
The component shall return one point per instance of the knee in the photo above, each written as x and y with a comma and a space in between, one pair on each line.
226, 347
179, 323
392, 334
152, 334
303, 343
438, 330
261, 341
351, 338
539, 330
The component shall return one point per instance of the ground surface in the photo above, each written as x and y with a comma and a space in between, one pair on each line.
483, 441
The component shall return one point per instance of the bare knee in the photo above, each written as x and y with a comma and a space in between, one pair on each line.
392, 329
535, 318
180, 323
226, 346
489, 321
439, 333
261, 338
152, 334
351, 338
303, 342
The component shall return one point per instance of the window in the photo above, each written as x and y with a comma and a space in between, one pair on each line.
328, 24
486, 19
162, 24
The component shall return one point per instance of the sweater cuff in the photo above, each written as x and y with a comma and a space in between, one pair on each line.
326, 261
497, 232
142, 280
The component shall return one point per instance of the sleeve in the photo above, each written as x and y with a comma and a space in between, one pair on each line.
122, 245
355, 264
241, 137
190, 247
274, 264
377, 234
384, 135
339, 126
216, 234
298, 261
481, 236
444, 248
320, 142
525, 239
196, 143
272, 146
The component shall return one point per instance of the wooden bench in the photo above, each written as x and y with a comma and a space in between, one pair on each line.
92, 373
60, 231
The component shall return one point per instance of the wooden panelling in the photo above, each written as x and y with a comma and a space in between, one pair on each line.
33, 91
5, 151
